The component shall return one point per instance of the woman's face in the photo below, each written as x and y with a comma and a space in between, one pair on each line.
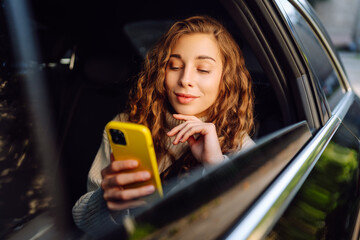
193, 74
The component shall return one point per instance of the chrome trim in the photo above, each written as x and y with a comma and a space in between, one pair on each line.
312, 23
268, 209
343, 106
356, 233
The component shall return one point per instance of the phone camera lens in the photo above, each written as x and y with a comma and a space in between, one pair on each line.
118, 136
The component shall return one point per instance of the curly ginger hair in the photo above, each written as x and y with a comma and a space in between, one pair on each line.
232, 112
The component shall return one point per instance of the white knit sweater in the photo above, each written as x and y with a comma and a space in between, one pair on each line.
90, 212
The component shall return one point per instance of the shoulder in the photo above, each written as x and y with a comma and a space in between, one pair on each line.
121, 117
247, 142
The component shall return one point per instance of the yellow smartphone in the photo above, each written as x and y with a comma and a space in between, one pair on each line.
134, 141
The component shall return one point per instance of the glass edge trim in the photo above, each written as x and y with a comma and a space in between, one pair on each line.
268, 209
333, 57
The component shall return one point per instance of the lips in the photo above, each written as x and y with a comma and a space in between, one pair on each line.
185, 98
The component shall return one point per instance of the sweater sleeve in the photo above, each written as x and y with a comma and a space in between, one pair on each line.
90, 212
246, 144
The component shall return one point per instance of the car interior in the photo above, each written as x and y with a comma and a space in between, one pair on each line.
91, 56
101, 63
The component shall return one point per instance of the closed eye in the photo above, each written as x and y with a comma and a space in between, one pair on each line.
175, 68
203, 71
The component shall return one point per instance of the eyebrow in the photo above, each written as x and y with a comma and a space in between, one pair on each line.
199, 57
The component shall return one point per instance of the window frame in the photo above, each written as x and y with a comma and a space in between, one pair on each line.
320, 33
299, 168
272, 67
280, 50
25, 46
303, 162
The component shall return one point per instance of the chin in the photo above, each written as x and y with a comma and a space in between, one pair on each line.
189, 113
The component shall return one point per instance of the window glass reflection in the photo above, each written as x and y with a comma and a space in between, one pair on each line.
315, 55
22, 181
325, 204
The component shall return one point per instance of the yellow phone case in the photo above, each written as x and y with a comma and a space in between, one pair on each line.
134, 141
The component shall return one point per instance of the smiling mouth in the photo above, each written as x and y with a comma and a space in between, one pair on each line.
185, 98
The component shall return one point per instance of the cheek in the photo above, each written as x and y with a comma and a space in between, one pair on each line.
166, 81
212, 86
167, 85
170, 80
218, 82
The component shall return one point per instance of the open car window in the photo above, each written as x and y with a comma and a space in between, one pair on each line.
87, 81
27, 182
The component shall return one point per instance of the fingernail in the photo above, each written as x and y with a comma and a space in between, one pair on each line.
146, 175
150, 188
133, 164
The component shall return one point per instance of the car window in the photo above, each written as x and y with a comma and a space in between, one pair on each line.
88, 73
143, 34
23, 193
315, 55
27, 184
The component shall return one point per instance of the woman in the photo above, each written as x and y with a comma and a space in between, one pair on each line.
195, 95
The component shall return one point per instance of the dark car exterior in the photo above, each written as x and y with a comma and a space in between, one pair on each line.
66, 68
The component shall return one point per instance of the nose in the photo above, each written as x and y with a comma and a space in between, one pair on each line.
186, 78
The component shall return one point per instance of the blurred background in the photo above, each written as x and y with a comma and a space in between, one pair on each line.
342, 21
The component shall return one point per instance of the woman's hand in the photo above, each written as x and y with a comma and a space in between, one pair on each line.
114, 180
206, 147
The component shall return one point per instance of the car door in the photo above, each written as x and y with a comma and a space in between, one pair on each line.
247, 195
286, 64
327, 203
330, 107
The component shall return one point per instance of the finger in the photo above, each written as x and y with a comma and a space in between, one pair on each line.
181, 126
128, 194
187, 118
117, 206
117, 166
176, 129
189, 130
123, 179
200, 128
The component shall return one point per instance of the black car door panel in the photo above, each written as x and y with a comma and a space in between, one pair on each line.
225, 192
